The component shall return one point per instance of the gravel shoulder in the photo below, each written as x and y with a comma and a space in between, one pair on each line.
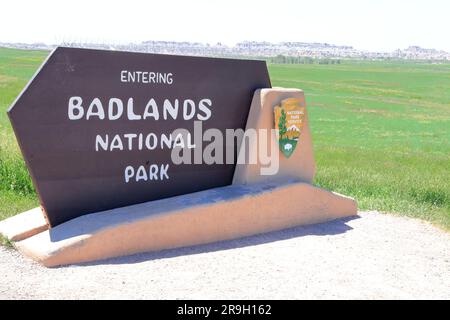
372, 256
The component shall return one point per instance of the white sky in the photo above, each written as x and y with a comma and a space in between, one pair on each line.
372, 25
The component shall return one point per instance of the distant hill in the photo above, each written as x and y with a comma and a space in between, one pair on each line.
282, 51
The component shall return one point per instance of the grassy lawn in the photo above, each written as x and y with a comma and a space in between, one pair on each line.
381, 132
16, 190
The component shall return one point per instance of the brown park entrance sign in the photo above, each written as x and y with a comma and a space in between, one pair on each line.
90, 119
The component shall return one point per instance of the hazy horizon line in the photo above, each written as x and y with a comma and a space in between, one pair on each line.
118, 42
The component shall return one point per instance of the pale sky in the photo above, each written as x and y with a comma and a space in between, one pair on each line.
371, 25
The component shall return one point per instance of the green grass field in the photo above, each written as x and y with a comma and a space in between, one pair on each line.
381, 132
16, 190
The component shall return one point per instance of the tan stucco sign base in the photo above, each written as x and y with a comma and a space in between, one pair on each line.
252, 204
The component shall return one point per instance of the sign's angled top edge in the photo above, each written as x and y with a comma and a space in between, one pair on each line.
30, 81
160, 54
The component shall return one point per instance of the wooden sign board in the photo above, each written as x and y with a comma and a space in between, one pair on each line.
95, 126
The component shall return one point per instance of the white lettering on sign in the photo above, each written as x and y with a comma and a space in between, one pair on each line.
76, 111
146, 77
149, 173
114, 108
133, 141
169, 109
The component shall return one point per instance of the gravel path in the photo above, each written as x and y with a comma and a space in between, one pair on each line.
372, 256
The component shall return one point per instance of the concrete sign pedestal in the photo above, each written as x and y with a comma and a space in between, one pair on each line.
252, 204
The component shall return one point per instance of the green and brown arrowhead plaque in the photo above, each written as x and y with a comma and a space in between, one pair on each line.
289, 118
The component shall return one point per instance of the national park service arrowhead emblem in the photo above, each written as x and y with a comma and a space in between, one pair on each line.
289, 118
